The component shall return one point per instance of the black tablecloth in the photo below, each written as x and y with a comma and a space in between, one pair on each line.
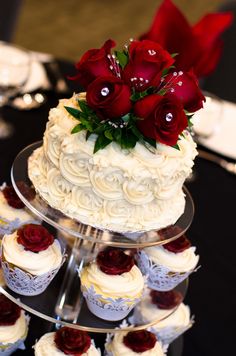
212, 290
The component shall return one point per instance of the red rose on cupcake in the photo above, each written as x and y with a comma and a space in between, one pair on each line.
109, 97
12, 198
147, 60
179, 245
34, 237
166, 300
114, 261
94, 63
162, 118
140, 341
9, 311
72, 342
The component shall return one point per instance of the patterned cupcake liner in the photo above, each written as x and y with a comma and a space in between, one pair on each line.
159, 277
108, 308
168, 334
25, 283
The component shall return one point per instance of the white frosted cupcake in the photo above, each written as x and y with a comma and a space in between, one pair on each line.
31, 257
112, 284
141, 343
66, 341
13, 212
13, 326
168, 265
173, 316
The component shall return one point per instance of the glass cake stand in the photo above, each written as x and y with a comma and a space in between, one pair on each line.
55, 218
62, 302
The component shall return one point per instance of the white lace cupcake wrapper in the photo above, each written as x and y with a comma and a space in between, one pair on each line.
168, 334
8, 226
159, 277
8, 349
25, 283
108, 308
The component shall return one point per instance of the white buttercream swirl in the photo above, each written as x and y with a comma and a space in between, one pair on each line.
126, 285
117, 180
117, 348
34, 263
9, 334
46, 346
180, 318
184, 261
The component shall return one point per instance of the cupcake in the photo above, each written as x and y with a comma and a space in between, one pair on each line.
172, 316
13, 212
112, 284
31, 257
13, 326
66, 341
168, 265
141, 343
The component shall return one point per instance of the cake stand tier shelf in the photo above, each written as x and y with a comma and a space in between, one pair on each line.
21, 181
46, 306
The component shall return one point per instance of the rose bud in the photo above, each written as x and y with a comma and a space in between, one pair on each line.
163, 118
72, 342
12, 198
114, 261
34, 238
166, 300
9, 311
147, 60
140, 341
186, 89
179, 245
109, 97
94, 63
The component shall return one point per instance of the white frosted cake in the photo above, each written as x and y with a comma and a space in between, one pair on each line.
115, 189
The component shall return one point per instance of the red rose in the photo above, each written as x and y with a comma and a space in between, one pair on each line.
166, 300
140, 341
109, 97
12, 198
199, 46
169, 232
114, 261
34, 237
178, 245
94, 63
147, 60
9, 311
72, 342
185, 88
164, 118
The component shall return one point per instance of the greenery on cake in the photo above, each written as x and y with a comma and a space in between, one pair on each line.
134, 95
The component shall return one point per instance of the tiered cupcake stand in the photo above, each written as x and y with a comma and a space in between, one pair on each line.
62, 303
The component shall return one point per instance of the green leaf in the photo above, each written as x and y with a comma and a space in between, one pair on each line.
101, 143
117, 135
122, 58
87, 135
84, 107
136, 132
176, 147
108, 134
151, 141
74, 112
128, 140
126, 118
173, 55
77, 128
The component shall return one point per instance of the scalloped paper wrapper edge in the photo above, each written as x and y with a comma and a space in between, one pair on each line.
8, 226
108, 308
10, 348
168, 334
25, 283
159, 277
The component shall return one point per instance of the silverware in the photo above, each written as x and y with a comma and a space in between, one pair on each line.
228, 166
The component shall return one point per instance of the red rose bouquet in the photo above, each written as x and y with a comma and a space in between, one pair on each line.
134, 95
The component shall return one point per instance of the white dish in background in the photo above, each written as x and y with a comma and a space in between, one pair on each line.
215, 126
